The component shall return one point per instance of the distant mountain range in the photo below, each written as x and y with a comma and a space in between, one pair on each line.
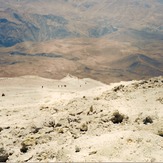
40, 20
123, 37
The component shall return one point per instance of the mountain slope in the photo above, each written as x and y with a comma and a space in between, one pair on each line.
85, 120
61, 19
88, 38
140, 64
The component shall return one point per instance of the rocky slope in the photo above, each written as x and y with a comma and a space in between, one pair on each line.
80, 120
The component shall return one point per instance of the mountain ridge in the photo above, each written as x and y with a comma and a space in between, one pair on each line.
85, 38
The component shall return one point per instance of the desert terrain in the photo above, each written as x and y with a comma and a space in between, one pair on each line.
80, 120
109, 109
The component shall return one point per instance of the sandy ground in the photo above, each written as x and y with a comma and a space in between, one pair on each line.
80, 120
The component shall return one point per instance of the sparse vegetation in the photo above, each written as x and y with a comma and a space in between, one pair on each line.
147, 120
117, 117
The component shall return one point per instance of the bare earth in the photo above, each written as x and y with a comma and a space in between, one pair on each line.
80, 120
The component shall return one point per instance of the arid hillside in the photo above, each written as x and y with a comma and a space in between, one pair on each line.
106, 40
80, 120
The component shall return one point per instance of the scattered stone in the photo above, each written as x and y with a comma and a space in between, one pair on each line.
50, 123
90, 112
3, 155
44, 107
115, 89
91, 109
105, 119
147, 120
84, 127
27, 143
75, 136
93, 153
60, 130
160, 133
77, 149
79, 112
143, 82
3, 94
24, 149
62, 122
160, 100
72, 114
35, 129
96, 98
117, 117
8, 127
1, 129
74, 119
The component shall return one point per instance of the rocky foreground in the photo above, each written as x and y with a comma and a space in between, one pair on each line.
80, 120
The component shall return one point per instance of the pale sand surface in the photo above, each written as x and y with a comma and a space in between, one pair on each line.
48, 122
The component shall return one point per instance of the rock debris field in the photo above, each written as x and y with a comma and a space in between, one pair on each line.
71, 120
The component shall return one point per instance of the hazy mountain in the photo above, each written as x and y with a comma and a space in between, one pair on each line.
39, 20
86, 38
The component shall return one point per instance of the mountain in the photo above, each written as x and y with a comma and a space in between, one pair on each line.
88, 38
140, 64
41, 20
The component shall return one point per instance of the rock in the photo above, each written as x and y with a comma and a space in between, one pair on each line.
3, 155
160, 133
1, 129
75, 136
147, 120
8, 127
91, 109
97, 98
60, 130
160, 100
84, 127
35, 129
3, 94
50, 123
74, 119
24, 149
62, 122
72, 114
27, 143
93, 152
79, 112
115, 89
77, 149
